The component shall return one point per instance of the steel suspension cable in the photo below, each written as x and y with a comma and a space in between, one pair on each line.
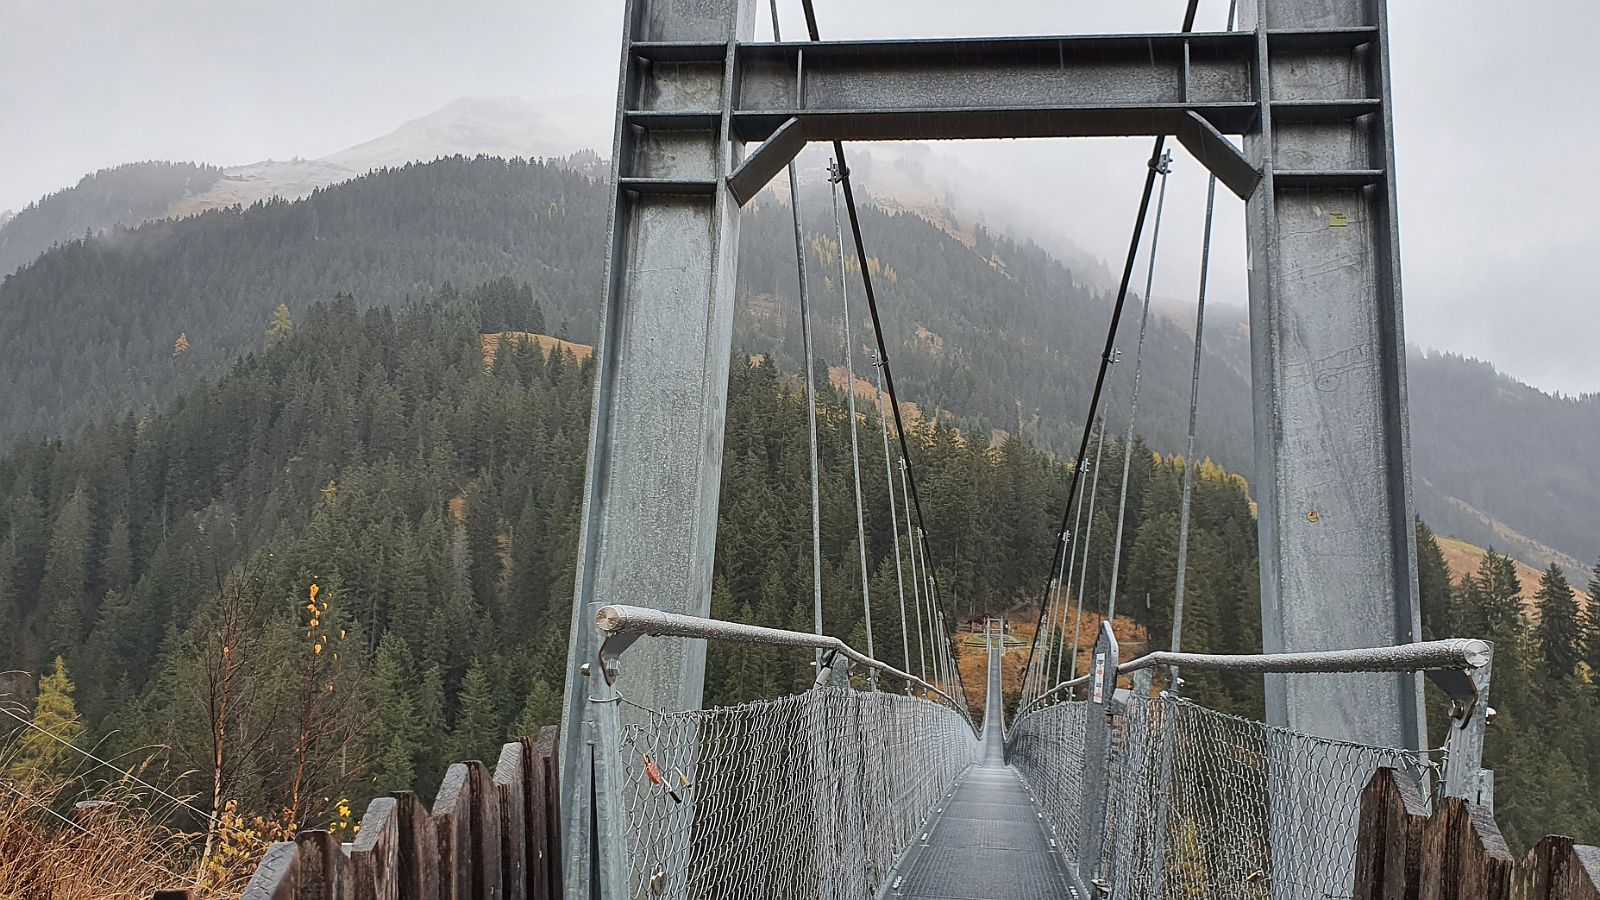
1111, 332
1077, 526
1194, 408
1107, 357
115, 768
810, 380
1188, 453
894, 525
877, 324
1057, 619
916, 586
1088, 538
1164, 168
855, 447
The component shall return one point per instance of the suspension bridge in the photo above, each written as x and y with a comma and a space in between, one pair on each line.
1102, 779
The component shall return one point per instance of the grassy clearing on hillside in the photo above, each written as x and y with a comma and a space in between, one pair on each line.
546, 343
1463, 558
972, 658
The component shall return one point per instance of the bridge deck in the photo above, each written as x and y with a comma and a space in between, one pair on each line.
988, 842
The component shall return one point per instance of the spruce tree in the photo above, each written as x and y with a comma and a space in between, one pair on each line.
396, 730
116, 568
1560, 633
542, 707
431, 761
40, 754
1433, 585
66, 573
476, 733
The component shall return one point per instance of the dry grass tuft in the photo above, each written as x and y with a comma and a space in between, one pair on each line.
56, 845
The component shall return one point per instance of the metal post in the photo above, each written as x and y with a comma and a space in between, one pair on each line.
1097, 753
648, 530
1469, 715
607, 834
1164, 747
1333, 481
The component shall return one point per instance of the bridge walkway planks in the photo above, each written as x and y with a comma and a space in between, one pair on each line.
987, 842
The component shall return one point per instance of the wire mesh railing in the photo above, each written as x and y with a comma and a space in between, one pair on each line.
814, 795
1178, 801
1047, 749
1202, 804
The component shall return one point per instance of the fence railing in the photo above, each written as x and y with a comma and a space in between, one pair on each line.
491, 833
1456, 852
813, 795
1154, 796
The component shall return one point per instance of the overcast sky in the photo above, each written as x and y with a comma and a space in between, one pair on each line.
1495, 125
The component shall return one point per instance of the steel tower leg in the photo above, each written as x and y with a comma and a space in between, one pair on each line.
661, 386
1333, 478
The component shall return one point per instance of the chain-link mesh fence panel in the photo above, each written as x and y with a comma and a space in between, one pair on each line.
1208, 805
1046, 746
814, 795
1204, 805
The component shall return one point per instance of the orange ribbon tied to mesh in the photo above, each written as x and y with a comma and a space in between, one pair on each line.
653, 772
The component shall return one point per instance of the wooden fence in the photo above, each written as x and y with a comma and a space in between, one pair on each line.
491, 835
1457, 852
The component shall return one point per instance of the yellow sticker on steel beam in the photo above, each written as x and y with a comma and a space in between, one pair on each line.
1337, 220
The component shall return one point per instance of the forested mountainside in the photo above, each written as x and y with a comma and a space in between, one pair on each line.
1506, 451
370, 508
122, 196
361, 542
93, 327
998, 335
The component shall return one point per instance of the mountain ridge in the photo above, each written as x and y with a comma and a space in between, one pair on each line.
1470, 498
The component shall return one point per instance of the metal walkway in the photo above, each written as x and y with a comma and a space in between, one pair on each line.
988, 841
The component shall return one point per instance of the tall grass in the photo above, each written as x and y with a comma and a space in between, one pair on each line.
60, 841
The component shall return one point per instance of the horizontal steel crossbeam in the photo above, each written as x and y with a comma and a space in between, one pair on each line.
1077, 86
1199, 87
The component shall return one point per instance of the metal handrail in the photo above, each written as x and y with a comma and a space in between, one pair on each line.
621, 620
1453, 653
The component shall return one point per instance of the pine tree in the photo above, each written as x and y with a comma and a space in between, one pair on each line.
116, 568
66, 573
40, 755
1591, 623
431, 726
281, 327
1433, 585
542, 707
10, 609
1560, 633
476, 733
181, 345
484, 563
396, 733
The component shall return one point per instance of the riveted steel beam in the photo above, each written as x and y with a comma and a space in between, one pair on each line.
1333, 480
648, 528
